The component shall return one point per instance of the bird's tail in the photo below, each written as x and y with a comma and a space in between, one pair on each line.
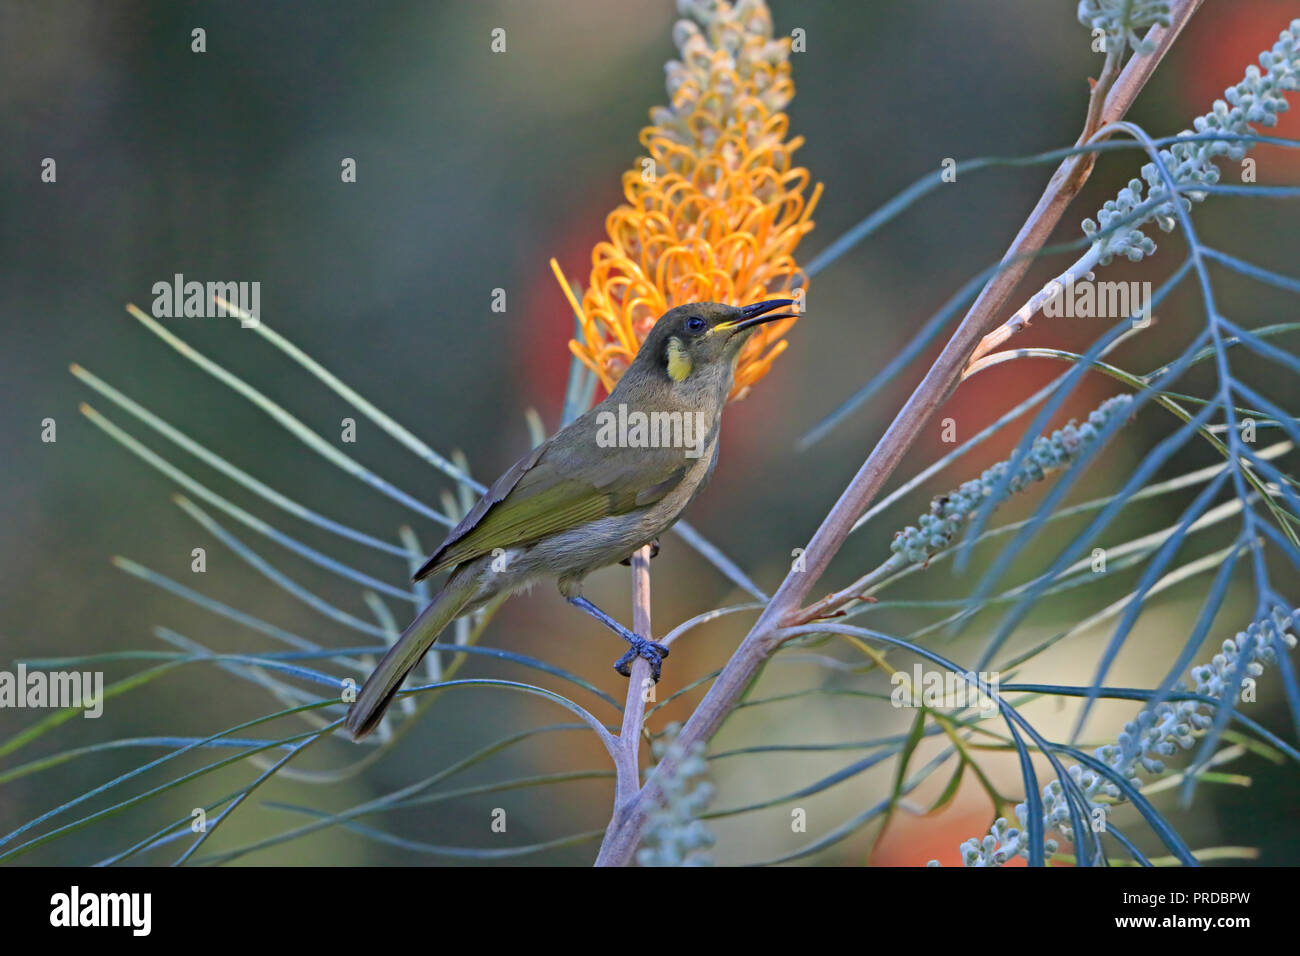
380, 687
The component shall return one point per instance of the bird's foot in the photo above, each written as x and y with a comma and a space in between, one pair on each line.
651, 651
641, 647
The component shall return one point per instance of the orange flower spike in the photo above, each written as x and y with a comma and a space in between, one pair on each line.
717, 211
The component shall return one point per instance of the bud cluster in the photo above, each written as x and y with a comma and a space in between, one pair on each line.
1257, 99
1155, 733
1121, 20
728, 57
950, 513
674, 834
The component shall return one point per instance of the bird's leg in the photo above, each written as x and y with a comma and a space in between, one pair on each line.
641, 647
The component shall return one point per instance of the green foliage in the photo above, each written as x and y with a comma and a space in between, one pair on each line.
1157, 732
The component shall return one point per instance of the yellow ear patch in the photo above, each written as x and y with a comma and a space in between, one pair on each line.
679, 360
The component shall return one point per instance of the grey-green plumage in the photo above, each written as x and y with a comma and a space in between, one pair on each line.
575, 504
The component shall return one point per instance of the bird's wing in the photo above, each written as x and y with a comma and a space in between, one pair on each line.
538, 496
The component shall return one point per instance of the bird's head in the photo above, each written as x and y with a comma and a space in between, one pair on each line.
698, 336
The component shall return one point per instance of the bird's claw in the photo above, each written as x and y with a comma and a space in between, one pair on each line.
652, 652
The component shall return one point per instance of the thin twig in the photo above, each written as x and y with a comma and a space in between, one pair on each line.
627, 760
1081, 268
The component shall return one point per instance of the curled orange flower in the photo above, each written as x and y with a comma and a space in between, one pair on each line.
716, 211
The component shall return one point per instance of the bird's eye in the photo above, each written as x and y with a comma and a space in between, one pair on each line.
695, 324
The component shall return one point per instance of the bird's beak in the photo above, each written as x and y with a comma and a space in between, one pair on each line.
756, 314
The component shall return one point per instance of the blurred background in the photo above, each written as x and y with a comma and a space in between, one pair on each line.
473, 170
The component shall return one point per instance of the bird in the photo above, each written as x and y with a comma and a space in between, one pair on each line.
594, 493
